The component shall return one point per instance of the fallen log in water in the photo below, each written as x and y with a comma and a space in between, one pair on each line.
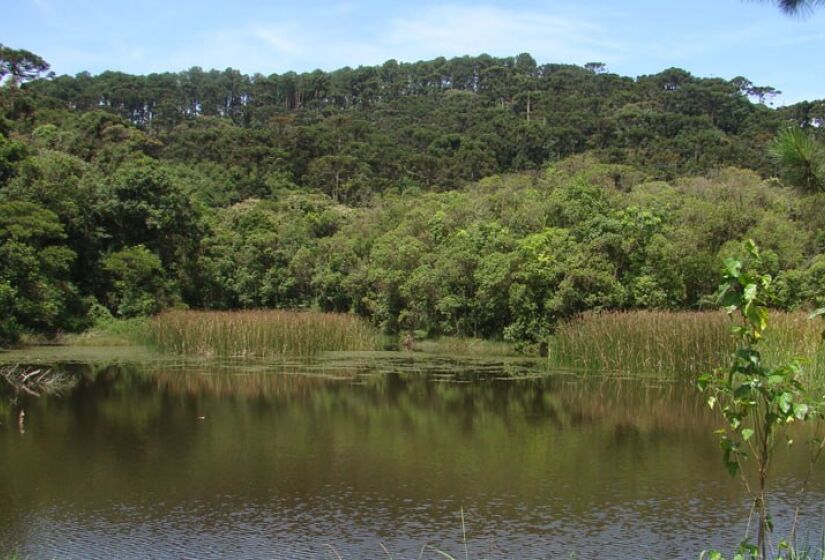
36, 381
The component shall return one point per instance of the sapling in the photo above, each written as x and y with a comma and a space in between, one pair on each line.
758, 401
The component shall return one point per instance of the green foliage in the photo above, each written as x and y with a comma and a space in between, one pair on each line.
9, 325
496, 201
801, 158
34, 289
20, 65
786, 551
137, 280
11, 152
756, 399
356, 132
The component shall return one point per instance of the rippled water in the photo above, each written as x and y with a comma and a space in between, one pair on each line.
351, 452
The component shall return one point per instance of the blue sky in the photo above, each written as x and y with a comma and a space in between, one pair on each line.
723, 38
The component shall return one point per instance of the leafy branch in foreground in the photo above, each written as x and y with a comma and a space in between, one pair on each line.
757, 401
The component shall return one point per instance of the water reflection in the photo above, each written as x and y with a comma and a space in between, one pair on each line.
177, 460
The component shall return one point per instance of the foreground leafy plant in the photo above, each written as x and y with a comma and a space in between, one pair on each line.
757, 401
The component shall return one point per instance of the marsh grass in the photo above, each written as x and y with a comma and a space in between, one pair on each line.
681, 344
112, 332
258, 333
456, 346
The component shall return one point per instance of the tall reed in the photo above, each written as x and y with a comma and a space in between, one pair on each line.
258, 333
456, 346
683, 343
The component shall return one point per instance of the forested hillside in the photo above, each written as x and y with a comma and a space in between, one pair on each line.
474, 196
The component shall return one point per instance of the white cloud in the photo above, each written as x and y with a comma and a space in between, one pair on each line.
443, 30
461, 29
258, 47
281, 40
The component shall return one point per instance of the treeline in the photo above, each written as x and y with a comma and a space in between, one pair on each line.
433, 124
388, 191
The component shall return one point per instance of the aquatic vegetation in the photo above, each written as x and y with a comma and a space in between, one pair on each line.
678, 343
458, 346
258, 333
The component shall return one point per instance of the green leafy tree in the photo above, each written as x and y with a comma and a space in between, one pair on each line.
138, 286
20, 65
757, 400
142, 204
11, 153
35, 292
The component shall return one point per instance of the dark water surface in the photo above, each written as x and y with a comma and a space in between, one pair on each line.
198, 460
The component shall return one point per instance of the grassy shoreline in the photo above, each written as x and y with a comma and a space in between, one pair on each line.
258, 333
678, 343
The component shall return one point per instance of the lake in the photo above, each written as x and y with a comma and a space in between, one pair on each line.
351, 454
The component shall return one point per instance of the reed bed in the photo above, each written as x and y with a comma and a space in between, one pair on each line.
679, 344
456, 346
258, 333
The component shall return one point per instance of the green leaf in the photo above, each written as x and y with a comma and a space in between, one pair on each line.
756, 316
750, 292
747, 433
752, 249
711, 402
800, 411
743, 390
785, 402
729, 299
733, 267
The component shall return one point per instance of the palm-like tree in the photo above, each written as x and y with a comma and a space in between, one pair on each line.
801, 159
797, 7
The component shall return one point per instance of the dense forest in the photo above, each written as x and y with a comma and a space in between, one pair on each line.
475, 196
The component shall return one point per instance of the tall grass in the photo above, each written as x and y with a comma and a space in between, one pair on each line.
258, 333
111, 331
456, 346
678, 344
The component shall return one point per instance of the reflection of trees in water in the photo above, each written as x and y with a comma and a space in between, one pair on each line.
418, 391
630, 405
328, 439
348, 442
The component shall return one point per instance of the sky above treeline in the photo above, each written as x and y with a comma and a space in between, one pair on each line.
723, 38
